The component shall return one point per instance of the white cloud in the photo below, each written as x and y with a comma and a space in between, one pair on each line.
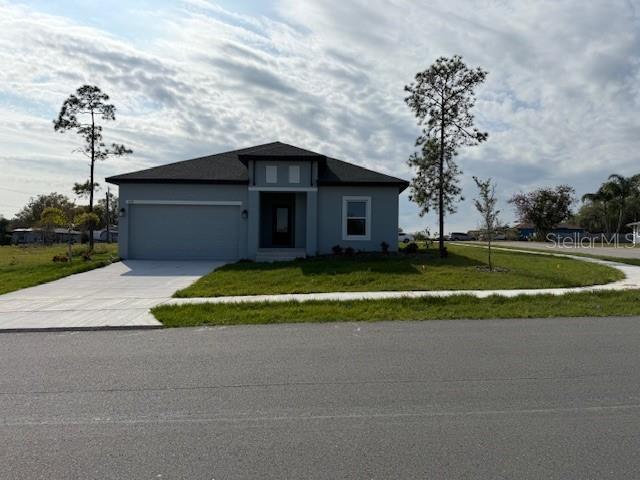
560, 102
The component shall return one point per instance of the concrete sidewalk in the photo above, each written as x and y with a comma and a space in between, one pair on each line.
117, 296
630, 282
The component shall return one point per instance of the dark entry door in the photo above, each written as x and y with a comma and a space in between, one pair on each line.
282, 230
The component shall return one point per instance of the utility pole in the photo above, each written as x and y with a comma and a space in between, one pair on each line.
108, 215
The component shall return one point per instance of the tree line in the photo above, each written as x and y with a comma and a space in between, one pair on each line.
54, 209
612, 206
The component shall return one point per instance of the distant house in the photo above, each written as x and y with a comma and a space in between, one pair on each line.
22, 236
104, 236
527, 231
636, 232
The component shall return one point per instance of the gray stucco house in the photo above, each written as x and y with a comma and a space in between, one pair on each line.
273, 201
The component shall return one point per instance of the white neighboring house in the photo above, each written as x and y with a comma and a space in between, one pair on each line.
101, 235
22, 236
636, 232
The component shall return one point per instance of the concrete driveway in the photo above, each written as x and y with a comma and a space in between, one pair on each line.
119, 295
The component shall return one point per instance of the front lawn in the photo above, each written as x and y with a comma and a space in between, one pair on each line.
425, 271
456, 307
26, 266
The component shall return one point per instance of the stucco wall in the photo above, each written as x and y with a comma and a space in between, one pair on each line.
384, 217
319, 237
190, 192
300, 223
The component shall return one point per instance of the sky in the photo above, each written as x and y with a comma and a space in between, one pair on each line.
195, 77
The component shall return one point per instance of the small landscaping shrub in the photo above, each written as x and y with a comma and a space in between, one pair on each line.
337, 250
411, 248
77, 250
60, 258
86, 256
349, 252
384, 246
99, 248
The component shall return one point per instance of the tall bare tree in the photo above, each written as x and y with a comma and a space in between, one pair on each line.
81, 113
441, 98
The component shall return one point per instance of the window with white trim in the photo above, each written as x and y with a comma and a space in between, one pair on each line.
356, 218
271, 174
294, 173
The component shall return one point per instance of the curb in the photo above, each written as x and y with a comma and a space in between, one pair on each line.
79, 329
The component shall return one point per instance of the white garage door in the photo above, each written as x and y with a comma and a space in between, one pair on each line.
177, 232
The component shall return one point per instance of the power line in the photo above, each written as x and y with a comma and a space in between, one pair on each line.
16, 191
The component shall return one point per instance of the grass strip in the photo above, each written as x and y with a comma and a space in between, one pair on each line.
617, 303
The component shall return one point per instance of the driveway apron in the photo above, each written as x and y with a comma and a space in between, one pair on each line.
119, 295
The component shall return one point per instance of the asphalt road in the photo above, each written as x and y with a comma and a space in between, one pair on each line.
456, 399
621, 251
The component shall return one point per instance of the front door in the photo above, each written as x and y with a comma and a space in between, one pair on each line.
282, 231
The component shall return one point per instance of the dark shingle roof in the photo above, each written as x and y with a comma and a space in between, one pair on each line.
231, 167
337, 172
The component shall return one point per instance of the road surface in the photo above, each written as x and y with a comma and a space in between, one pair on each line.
621, 251
557, 398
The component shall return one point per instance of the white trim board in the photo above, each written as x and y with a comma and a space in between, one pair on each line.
283, 189
367, 235
224, 203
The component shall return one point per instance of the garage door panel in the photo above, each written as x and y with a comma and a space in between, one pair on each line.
184, 232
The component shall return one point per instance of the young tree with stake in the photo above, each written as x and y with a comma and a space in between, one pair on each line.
441, 98
81, 113
486, 206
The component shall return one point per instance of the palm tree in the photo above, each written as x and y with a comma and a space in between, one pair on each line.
603, 197
622, 189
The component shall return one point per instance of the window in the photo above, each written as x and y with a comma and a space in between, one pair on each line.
282, 220
271, 174
294, 173
356, 218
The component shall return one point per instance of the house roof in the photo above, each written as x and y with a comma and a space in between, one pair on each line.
232, 168
332, 171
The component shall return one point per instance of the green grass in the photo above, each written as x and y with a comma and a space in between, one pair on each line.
26, 266
424, 271
456, 307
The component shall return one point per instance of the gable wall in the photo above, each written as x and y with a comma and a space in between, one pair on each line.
306, 169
